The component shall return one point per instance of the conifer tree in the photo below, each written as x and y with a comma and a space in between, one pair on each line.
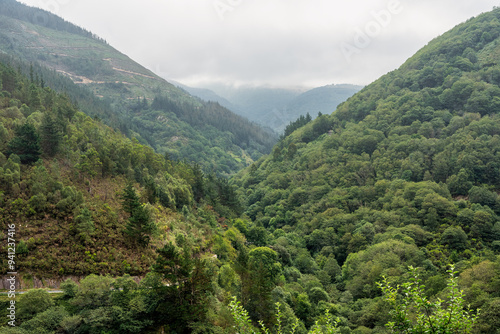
26, 144
35, 101
140, 224
50, 135
84, 224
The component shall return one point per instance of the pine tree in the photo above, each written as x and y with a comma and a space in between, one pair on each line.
84, 224
140, 224
199, 183
50, 135
130, 200
26, 144
35, 102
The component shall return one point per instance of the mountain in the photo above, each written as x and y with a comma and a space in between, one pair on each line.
80, 200
155, 111
322, 99
405, 172
262, 105
206, 95
277, 107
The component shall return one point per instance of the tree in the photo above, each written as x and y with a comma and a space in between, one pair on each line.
454, 237
26, 144
47, 321
482, 196
34, 100
449, 316
50, 135
325, 325
70, 288
185, 299
89, 163
130, 200
140, 224
84, 224
33, 302
264, 271
94, 292
460, 184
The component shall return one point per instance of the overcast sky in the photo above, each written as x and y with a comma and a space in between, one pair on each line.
281, 43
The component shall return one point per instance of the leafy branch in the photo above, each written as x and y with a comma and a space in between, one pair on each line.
413, 312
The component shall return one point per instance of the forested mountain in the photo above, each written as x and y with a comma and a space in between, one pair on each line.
207, 95
277, 107
406, 172
180, 125
79, 198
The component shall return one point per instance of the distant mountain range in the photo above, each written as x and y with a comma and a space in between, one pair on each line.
276, 107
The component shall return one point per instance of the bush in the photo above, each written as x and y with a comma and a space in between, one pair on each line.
33, 302
413, 312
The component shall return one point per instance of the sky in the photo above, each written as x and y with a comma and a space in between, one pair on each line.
274, 43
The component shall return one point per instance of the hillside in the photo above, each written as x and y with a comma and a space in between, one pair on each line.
405, 172
178, 127
263, 105
79, 199
207, 95
323, 100
64, 174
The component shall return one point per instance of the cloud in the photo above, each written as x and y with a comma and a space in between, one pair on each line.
279, 42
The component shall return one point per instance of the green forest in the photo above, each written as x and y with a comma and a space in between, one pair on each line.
383, 217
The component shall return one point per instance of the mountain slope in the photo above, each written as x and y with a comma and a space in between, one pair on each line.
63, 178
277, 107
405, 172
263, 105
323, 99
207, 95
131, 90
78, 198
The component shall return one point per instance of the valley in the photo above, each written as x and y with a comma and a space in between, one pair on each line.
152, 210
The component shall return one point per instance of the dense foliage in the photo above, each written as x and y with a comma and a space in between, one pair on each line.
205, 133
406, 172
413, 312
86, 200
66, 175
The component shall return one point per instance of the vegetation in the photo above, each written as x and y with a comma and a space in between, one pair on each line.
89, 193
402, 174
431, 317
405, 173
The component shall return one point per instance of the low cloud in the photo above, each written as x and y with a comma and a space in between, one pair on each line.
261, 42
